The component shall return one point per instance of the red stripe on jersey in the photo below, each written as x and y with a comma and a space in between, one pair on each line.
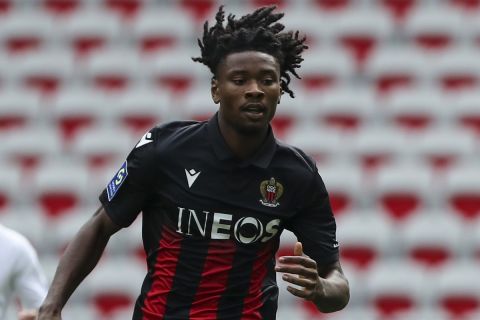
155, 301
253, 301
218, 264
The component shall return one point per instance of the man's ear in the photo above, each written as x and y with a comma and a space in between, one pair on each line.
214, 91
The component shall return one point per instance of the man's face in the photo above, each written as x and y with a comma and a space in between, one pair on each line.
247, 86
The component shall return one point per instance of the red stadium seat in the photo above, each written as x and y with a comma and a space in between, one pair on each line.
325, 67
18, 108
461, 190
5, 6
59, 187
199, 9
140, 108
400, 9
360, 31
431, 247
392, 67
402, 188
434, 27
360, 247
393, 287
126, 9
88, 30
468, 5
152, 33
24, 31
333, 5
113, 69
464, 110
414, 109
77, 108
456, 289
61, 7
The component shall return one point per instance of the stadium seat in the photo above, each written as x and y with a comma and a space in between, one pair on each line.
76, 108
314, 24
344, 108
126, 9
334, 5
107, 294
326, 67
155, 30
140, 108
199, 9
456, 289
100, 147
10, 185
461, 190
197, 104
174, 71
345, 185
414, 109
464, 110
90, 29
360, 31
321, 144
113, 69
431, 238
402, 188
444, 146
290, 113
26, 31
434, 27
456, 68
399, 9
396, 286
359, 246
61, 8
375, 146
46, 71
427, 312
58, 186
18, 107
467, 5
27, 147
393, 66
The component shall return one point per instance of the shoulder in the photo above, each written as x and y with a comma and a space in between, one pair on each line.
169, 133
296, 158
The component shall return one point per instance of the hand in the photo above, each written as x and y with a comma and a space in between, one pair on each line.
46, 313
301, 270
27, 315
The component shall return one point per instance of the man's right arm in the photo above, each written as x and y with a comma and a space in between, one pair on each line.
79, 259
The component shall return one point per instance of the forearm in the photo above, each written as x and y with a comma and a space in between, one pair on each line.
79, 259
333, 294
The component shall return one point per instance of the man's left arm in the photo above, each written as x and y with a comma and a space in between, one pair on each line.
325, 285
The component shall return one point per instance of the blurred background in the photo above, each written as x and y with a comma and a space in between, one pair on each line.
388, 104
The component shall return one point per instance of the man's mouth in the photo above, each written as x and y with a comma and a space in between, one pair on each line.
254, 108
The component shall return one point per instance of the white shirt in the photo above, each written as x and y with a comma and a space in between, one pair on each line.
21, 275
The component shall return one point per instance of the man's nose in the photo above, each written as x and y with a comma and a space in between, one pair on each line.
254, 90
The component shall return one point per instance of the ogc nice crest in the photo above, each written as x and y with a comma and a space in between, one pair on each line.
271, 191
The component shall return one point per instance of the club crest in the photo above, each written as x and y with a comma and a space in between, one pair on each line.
271, 191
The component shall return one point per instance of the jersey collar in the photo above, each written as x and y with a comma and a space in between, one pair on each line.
261, 158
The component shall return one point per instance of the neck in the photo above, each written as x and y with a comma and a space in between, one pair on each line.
243, 145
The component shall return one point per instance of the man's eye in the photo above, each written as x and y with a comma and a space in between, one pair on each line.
238, 81
268, 82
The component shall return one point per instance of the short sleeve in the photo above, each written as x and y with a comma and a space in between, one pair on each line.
30, 284
125, 195
314, 225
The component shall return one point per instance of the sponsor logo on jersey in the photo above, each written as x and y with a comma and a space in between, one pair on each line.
117, 181
271, 191
147, 138
224, 226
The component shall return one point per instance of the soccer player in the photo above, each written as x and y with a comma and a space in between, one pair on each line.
216, 195
21, 276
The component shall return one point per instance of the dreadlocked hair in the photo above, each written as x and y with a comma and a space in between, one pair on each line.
258, 31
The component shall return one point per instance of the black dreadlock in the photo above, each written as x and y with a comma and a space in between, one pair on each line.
258, 31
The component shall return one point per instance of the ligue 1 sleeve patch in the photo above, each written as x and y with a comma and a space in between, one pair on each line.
117, 181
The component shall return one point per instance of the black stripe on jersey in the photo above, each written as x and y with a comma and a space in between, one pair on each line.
230, 305
270, 294
187, 278
147, 282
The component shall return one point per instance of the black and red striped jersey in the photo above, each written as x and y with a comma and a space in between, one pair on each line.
212, 223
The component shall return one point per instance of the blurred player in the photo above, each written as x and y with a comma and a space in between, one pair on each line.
21, 277
216, 195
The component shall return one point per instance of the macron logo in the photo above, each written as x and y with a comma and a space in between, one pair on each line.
147, 138
192, 175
